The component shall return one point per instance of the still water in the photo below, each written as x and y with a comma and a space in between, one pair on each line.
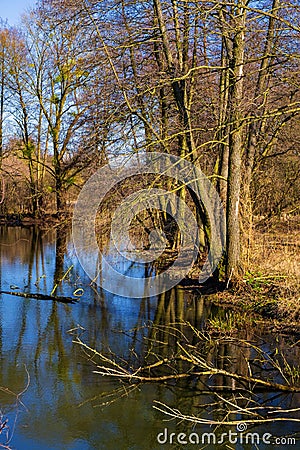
65, 405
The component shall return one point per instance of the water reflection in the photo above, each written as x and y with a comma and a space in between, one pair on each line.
64, 394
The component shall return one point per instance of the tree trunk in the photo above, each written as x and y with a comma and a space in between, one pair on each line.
2, 82
255, 126
223, 131
235, 145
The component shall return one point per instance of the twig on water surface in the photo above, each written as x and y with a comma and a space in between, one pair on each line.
108, 398
60, 280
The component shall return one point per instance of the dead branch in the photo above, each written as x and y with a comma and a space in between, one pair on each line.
176, 414
38, 296
110, 368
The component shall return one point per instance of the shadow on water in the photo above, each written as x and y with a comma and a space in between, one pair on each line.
63, 407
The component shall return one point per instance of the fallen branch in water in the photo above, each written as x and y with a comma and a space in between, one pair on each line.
180, 356
37, 296
174, 413
142, 374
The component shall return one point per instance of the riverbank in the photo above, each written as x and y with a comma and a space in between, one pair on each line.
270, 288
248, 308
44, 222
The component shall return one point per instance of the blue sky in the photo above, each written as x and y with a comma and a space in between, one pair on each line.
12, 9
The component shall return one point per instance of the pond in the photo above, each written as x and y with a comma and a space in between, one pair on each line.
52, 398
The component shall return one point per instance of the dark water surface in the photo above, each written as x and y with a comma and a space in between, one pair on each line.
62, 407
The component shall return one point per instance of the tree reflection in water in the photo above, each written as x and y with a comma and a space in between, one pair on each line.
64, 393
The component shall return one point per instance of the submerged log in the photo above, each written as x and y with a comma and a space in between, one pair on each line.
38, 296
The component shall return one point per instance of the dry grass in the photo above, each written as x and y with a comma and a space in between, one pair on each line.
276, 250
271, 285
275, 254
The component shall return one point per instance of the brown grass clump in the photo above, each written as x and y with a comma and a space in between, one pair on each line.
275, 255
276, 250
271, 284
